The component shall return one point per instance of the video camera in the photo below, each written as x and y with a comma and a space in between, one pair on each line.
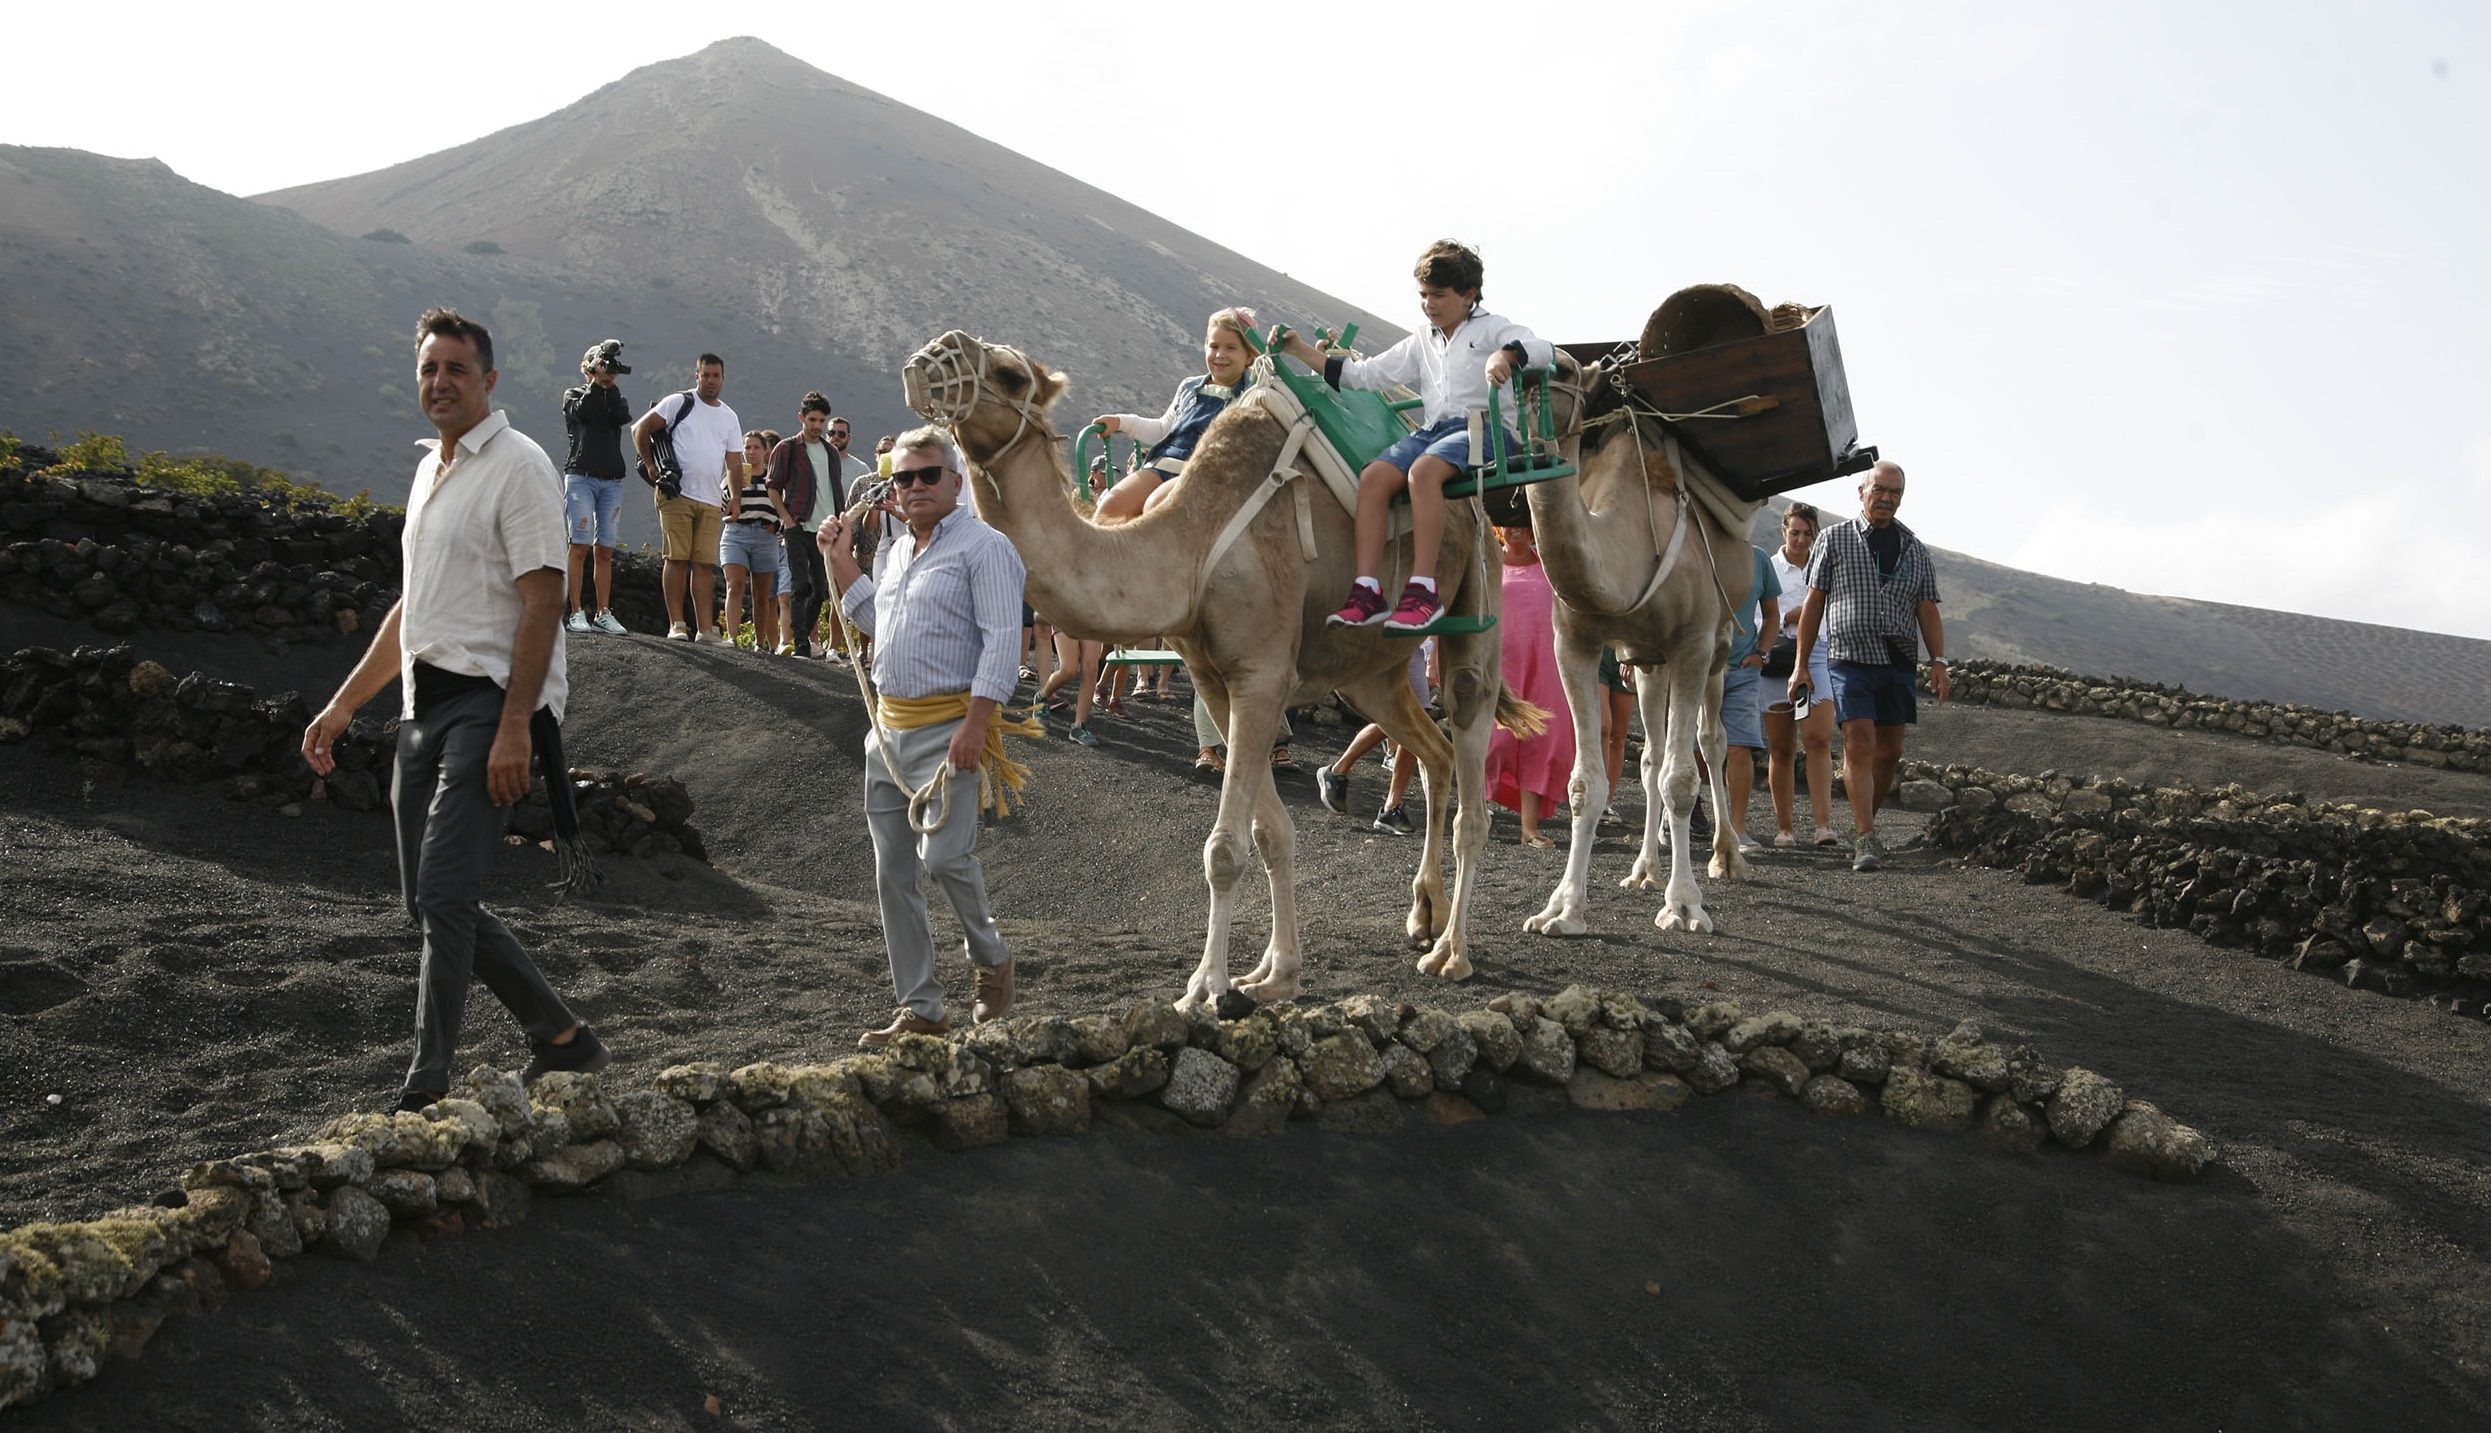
606, 357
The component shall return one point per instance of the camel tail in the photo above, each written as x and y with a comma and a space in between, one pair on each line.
1518, 716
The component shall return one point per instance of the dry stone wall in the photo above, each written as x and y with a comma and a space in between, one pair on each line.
1998, 684
74, 1295
124, 558
2389, 901
107, 704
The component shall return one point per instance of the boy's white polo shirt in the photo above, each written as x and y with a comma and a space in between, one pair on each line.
1449, 371
469, 538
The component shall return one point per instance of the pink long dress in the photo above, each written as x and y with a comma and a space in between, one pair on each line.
1544, 763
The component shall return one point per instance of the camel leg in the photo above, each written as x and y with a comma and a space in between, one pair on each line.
1275, 840
1472, 672
1579, 664
1652, 701
1682, 904
1386, 698
1253, 718
1729, 862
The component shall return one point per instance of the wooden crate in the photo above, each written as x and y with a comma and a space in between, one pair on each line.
1800, 430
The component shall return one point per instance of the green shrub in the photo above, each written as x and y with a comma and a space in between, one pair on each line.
484, 246
94, 453
388, 236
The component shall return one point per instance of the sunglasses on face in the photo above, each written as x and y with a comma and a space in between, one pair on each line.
904, 477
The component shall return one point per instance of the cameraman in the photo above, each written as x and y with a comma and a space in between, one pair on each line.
596, 413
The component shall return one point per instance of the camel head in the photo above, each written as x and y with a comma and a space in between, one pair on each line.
986, 394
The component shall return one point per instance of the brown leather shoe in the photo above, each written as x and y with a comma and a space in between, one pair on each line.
904, 1022
994, 992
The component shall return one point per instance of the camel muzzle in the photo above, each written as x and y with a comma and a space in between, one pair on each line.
940, 380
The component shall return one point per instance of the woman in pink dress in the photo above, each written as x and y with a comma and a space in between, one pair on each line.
1529, 776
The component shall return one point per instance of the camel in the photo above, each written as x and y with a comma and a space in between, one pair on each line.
1247, 616
1638, 566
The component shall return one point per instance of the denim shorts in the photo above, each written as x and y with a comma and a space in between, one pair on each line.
1875, 692
591, 506
751, 546
1448, 439
1741, 714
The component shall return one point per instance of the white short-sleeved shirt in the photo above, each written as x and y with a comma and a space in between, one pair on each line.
703, 438
469, 538
1794, 577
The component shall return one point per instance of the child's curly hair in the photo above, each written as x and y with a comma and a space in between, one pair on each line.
1448, 265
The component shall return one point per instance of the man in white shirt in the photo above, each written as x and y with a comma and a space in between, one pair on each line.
476, 642
709, 442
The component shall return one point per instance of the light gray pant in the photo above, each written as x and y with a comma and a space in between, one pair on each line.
1207, 732
903, 859
448, 830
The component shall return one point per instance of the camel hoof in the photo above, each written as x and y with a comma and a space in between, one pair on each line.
1193, 1000
1689, 918
1640, 881
1451, 965
1234, 1003
1271, 991
1545, 924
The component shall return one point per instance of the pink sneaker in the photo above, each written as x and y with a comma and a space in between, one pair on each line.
1417, 611
1364, 608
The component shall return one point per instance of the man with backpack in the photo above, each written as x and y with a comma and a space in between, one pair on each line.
691, 448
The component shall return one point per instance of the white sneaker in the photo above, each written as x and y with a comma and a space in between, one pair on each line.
784, 649
678, 632
576, 622
608, 623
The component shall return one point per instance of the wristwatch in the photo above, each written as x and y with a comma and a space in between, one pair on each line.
1939, 662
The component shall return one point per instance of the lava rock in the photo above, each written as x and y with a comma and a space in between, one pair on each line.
1201, 1086
1048, 1099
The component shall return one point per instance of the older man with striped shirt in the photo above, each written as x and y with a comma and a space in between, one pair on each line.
944, 609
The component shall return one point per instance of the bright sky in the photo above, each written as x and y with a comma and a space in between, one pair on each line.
2183, 298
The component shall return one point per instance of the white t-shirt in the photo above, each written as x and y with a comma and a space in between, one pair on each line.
704, 437
1794, 590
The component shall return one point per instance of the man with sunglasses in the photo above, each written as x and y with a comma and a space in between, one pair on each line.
944, 609
1872, 593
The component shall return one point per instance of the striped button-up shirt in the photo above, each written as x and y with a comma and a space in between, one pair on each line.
1866, 610
945, 614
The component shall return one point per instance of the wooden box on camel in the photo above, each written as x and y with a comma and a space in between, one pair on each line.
1758, 395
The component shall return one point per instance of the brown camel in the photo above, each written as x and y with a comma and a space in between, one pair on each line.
1638, 566
1247, 615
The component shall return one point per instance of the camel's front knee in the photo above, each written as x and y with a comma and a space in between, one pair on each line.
1223, 860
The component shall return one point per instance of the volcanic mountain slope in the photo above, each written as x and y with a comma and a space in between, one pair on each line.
135, 302
813, 235
2250, 653
818, 214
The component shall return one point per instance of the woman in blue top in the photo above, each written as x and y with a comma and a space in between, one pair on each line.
1173, 434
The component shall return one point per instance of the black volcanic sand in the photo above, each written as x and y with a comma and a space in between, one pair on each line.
197, 978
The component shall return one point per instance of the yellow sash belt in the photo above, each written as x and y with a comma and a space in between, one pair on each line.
1004, 776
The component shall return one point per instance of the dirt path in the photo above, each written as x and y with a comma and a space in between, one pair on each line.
196, 978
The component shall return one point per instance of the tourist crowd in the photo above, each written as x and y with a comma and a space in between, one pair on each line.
503, 558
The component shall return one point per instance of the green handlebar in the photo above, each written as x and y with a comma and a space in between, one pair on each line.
1081, 456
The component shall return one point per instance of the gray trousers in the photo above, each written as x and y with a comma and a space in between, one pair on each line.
448, 830
903, 859
1207, 732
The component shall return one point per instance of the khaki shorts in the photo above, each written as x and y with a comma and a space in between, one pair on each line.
690, 528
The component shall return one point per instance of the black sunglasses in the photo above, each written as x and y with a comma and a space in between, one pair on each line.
903, 477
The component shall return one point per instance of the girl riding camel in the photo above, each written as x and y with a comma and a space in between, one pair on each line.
1173, 434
